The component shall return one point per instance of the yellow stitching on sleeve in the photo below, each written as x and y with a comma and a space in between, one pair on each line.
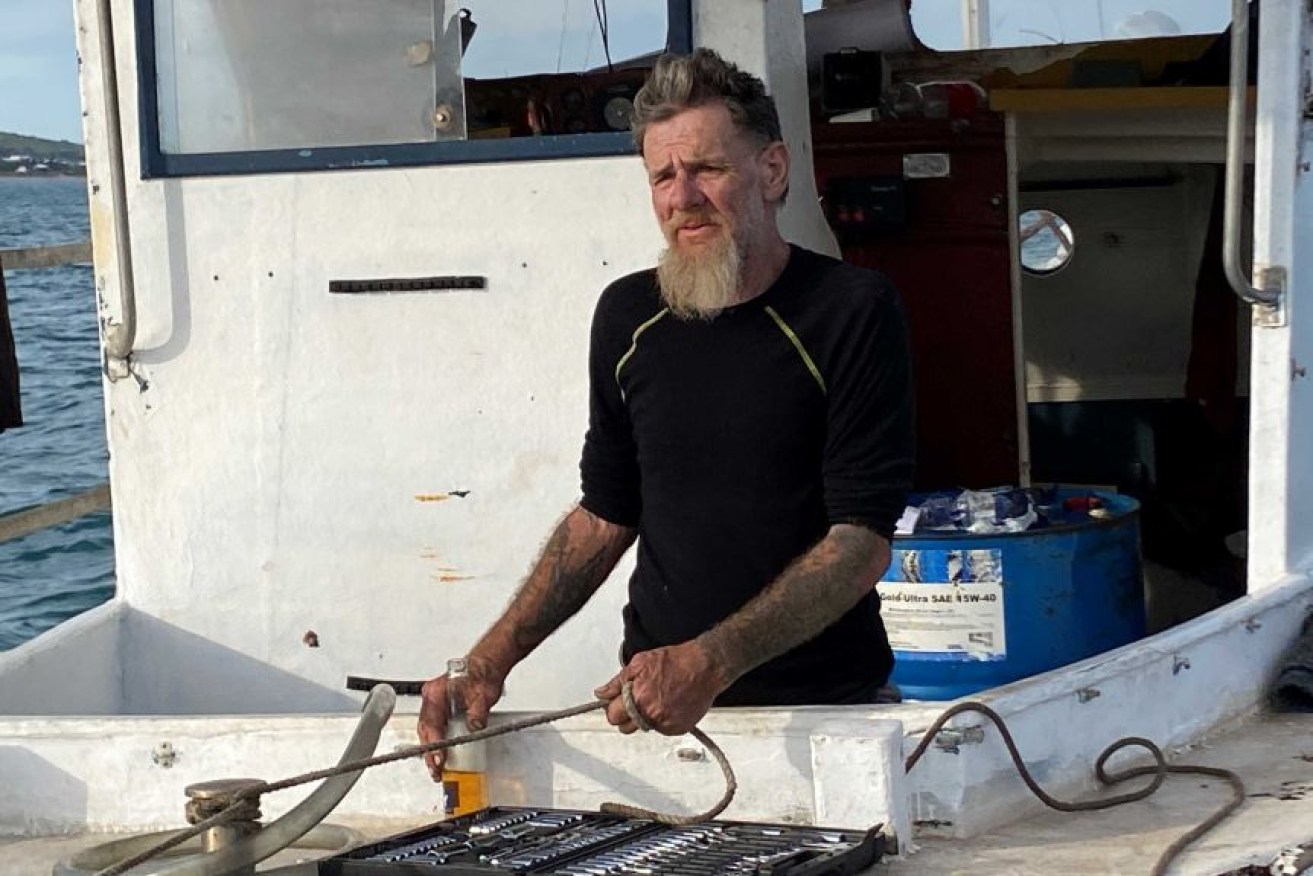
634, 345
797, 345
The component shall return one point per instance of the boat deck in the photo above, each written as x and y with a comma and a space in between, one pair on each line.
1273, 754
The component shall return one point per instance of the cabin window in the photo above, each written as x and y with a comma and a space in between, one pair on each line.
240, 86
1047, 242
950, 24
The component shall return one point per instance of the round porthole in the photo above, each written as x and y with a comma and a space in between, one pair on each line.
1047, 242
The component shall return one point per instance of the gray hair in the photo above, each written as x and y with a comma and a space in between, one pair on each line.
681, 82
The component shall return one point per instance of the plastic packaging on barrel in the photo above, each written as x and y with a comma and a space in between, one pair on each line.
988, 587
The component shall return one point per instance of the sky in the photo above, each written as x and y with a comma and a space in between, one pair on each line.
38, 70
38, 60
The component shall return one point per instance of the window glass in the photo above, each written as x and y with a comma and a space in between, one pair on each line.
565, 36
568, 67
1047, 241
944, 24
252, 75
238, 75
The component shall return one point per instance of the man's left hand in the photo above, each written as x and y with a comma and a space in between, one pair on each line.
672, 688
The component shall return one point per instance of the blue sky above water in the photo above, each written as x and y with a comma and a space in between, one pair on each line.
38, 70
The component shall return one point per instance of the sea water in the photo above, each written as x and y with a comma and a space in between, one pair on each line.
60, 450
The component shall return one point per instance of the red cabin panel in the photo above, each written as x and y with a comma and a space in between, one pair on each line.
944, 243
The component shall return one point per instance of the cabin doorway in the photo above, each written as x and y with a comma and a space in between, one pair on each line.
1070, 324
1136, 356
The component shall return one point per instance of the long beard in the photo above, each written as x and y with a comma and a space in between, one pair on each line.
700, 285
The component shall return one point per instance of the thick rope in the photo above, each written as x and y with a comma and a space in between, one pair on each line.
731, 786
235, 812
1159, 771
243, 798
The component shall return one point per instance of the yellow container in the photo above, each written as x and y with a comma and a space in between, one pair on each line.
465, 772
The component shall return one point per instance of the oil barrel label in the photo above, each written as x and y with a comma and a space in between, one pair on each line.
945, 604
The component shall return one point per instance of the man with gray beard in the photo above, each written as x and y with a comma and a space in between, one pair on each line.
750, 426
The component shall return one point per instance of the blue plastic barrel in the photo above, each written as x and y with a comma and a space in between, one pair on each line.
967, 612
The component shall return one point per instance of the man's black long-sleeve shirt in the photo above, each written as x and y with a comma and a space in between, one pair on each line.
733, 444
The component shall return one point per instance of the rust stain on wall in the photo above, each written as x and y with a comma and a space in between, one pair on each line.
444, 574
441, 497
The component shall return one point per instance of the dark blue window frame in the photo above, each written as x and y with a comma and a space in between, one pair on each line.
155, 163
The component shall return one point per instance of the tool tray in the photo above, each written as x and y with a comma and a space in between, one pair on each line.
570, 842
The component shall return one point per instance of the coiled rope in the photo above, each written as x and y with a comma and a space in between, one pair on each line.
246, 800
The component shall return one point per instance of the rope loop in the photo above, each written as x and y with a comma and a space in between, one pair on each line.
1117, 777
631, 707
731, 787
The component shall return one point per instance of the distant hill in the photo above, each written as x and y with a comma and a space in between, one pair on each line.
60, 150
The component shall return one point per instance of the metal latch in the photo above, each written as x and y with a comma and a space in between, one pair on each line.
1273, 280
951, 739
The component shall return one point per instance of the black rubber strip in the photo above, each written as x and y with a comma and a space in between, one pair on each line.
403, 688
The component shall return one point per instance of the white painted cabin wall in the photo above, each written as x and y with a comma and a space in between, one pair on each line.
1170, 136
1281, 449
312, 423
768, 39
269, 459
1115, 323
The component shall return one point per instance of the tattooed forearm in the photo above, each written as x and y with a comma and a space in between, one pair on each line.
811, 594
574, 563
579, 554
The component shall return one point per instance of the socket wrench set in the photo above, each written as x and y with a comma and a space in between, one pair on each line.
562, 842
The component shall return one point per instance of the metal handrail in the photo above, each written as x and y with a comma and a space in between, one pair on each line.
57, 255
20, 524
122, 335
1236, 139
23, 523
